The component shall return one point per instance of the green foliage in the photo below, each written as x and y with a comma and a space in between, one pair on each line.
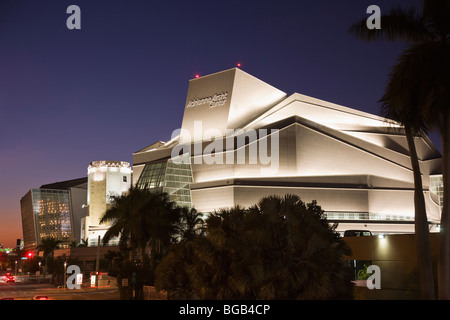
281, 248
363, 274
121, 267
141, 217
417, 93
147, 223
49, 245
417, 96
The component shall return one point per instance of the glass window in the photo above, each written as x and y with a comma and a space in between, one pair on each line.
169, 177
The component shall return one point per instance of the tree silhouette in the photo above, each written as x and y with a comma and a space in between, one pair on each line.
418, 96
280, 248
142, 219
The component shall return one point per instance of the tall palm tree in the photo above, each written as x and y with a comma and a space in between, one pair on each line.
160, 219
418, 96
140, 218
48, 246
414, 81
126, 216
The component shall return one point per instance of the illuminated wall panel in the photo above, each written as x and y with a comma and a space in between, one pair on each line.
355, 164
106, 179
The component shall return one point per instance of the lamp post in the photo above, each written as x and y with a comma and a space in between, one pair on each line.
97, 264
64, 284
39, 275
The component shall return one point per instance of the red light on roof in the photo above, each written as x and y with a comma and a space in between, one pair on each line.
197, 76
238, 64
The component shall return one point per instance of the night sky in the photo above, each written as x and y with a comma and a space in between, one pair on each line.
69, 97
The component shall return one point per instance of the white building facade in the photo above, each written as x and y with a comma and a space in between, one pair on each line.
242, 139
106, 179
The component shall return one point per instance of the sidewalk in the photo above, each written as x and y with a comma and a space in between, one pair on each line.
25, 278
45, 284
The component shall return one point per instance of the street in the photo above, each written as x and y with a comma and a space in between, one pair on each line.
24, 289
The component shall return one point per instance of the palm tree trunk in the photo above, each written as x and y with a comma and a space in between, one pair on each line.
444, 251
422, 235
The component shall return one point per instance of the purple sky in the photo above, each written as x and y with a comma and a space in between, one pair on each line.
69, 97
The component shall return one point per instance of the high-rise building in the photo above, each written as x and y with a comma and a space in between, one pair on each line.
106, 179
53, 211
242, 139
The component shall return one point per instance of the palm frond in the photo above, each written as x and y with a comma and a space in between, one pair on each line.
418, 86
437, 18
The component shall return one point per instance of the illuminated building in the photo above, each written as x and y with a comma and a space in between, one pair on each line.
53, 210
105, 180
356, 165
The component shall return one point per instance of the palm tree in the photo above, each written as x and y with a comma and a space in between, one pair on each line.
281, 248
141, 217
48, 246
160, 219
300, 254
426, 60
418, 96
173, 272
220, 271
191, 224
83, 243
126, 216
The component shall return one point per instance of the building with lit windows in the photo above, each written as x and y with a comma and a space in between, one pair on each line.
106, 179
242, 139
53, 210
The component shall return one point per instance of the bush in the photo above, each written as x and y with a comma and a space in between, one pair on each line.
280, 248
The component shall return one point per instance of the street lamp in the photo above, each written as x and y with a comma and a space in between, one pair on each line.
64, 284
39, 275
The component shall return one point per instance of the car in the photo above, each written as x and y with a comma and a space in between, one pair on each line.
9, 278
40, 298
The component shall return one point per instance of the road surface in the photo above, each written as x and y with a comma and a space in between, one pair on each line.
24, 289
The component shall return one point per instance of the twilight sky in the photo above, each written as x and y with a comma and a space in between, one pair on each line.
69, 97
